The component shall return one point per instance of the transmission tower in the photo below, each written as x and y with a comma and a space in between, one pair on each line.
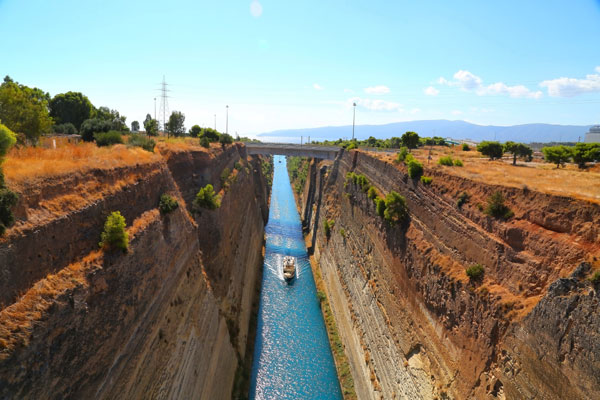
164, 104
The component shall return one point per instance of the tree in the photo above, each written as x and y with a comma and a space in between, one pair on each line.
210, 133
7, 140
558, 155
117, 120
94, 125
395, 207
114, 234
225, 139
24, 109
491, 149
71, 107
150, 126
410, 140
67, 129
517, 150
135, 126
207, 198
195, 131
175, 125
585, 152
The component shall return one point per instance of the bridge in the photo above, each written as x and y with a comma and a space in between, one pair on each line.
288, 149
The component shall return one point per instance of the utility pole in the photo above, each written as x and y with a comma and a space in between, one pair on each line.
300, 140
155, 108
215, 122
353, 119
227, 119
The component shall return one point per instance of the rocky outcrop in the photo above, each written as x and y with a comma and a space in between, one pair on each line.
160, 321
416, 326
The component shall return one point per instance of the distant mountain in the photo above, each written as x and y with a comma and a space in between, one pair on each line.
454, 129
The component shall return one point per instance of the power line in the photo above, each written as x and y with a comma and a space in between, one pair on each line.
164, 104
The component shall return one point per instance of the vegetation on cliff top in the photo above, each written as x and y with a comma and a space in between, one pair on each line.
475, 272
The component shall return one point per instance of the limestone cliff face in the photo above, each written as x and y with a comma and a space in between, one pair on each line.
155, 322
412, 323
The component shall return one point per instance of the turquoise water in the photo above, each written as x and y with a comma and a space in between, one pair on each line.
292, 358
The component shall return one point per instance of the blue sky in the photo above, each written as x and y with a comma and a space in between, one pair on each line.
281, 64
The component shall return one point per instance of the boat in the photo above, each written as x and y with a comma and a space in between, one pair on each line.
289, 268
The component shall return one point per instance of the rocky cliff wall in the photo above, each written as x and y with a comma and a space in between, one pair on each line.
417, 327
157, 321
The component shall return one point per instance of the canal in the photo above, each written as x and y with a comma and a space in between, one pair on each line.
292, 357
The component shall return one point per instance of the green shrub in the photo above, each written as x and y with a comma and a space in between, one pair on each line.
225, 175
372, 193
167, 204
8, 199
446, 160
402, 155
458, 163
321, 296
462, 199
395, 208
380, 205
415, 169
114, 235
352, 146
595, 279
207, 198
426, 180
7, 140
409, 158
137, 140
496, 207
465, 147
475, 272
237, 166
327, 225
205, 142
343, 232
108, 138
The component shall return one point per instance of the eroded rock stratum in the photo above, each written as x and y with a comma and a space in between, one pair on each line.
168, 319
413, 324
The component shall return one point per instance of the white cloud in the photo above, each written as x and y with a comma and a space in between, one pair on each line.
379, 89
456, 112
431, 91
317, 86
470, 82
414, 110
256, 9
375, 104
571, 87
348, 91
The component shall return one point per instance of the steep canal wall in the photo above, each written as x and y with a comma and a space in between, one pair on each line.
414, 325
168, 319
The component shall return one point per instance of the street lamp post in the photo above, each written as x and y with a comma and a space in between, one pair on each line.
353, 119
215, 122
155, 108
226, 119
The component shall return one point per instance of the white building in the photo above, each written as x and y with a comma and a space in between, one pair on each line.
593, 136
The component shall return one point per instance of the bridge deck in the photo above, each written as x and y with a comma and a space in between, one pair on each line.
288, 149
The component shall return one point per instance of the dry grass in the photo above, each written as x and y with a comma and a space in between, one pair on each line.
17, 321
27, 163
539, 176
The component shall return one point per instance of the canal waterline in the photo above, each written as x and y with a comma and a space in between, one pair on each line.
292, 357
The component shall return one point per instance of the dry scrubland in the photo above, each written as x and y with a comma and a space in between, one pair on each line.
568, 181
25, 164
